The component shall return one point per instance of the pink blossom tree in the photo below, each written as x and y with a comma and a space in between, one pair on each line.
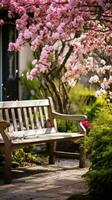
74, 37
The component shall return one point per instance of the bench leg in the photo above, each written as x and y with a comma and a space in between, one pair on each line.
82, 158
52, 149
7, 166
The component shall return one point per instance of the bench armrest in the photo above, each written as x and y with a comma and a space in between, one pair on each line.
68, 116
3, 131
77, 118
4, 124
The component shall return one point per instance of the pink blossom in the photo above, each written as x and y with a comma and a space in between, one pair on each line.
36, 43
29, 76
12, 46
33, 28
105, 84
27, 34
21, 10
33, 72
22, 22
10, 14
1, 22
73, 3
50, 25
109, 49
60, 28
43, 68
55, 36
110, 80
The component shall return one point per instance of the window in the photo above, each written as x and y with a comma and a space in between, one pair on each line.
9, 65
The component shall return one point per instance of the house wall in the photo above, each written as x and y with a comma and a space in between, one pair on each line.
25, 55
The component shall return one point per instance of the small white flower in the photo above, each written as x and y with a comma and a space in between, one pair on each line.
94, 79
105, 84
110, 94
100, 92
72, 82
103, 62
110, 79
34, 62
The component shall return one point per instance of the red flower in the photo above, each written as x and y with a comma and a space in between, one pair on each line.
85, 123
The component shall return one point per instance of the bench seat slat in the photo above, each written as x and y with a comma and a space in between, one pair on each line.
42, 135
48, 138
25, 134
33, 133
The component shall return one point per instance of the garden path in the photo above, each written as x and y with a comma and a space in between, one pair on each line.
56, 182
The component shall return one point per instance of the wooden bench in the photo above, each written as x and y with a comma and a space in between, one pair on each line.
26, 122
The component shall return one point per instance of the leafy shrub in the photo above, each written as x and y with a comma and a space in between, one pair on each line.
26, 156
22, 157
81, 98
99, 145
31, 88
67, 126
95, 108
100, 183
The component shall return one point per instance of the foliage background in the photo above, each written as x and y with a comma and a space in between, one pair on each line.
99, 146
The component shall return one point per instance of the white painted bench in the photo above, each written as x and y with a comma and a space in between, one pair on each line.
26, 122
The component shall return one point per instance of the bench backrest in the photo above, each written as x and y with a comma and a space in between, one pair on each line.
26, 114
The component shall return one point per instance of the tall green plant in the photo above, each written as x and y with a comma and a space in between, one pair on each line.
99, 145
